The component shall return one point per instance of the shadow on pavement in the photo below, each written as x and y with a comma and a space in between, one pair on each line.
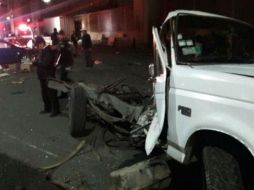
15, 175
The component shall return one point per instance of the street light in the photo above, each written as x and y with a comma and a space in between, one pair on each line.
46, 1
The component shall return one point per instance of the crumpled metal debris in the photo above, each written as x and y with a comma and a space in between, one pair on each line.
58, 85
111, 105
128, 112
143, 122
153, 173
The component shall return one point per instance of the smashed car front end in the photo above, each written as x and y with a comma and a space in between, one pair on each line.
201, 99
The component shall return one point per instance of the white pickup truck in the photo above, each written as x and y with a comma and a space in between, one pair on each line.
204, 93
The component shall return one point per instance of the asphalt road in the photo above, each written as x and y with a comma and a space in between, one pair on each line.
29, 140
37, 140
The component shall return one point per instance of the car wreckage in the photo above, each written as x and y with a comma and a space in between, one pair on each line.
203, 98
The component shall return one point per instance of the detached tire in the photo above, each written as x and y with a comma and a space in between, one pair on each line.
77, 111
221, 170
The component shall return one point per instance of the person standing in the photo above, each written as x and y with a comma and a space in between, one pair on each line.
74, 39
66, 59
87, 47
54, 37
45, 70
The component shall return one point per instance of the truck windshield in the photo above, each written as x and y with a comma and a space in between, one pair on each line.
214, 40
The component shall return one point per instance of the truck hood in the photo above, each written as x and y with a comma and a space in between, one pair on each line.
228, 81
239, 69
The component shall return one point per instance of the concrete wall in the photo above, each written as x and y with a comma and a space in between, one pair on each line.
67, 25
47, 25
60, 23
115, 23
133, 22
130, 24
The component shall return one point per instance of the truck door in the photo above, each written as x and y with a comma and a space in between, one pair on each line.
159, 77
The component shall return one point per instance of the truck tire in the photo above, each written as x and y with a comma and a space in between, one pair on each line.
77, 111
221, 170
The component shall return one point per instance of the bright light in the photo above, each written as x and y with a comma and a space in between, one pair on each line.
8, 18
23, 27
30, 44
57, 23
46, 1
28, 20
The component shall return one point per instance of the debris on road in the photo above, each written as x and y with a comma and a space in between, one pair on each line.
97, 62
109, 87
20, 81
60, 184
153, 173
71, 155
18, 92
13, 67
121, 106
143, 122
58, 85
25, 67
4, 75
66, 185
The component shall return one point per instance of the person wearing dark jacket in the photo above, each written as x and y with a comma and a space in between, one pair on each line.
87, 47
54, 37
66, 59
46, 69
74, 39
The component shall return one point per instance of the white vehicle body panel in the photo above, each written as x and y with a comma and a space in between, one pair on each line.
216, 105
160, 99
198, 13
220, 97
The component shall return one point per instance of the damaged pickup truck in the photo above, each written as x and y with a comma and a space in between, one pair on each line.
203, 98
203, 88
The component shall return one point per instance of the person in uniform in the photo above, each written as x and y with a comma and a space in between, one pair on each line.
45, 70
65, 60
74, 39
87, 47
54, 37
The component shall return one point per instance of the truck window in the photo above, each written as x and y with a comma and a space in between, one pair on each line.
214, 40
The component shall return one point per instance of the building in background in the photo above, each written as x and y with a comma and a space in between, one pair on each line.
125, 22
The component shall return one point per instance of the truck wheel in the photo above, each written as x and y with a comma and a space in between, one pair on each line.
221, 170
77, 111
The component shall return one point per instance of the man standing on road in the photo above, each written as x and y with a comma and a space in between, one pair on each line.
54, 37
66, 59
87, 47
46, 69
74, 39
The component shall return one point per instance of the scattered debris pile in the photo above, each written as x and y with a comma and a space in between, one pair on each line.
153, 173
127, 111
